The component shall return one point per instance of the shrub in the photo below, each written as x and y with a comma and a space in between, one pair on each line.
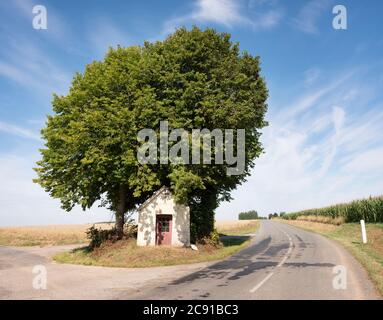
211, 240
130, 230
99, 236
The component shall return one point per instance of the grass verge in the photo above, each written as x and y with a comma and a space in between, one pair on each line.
370, 255
128, 255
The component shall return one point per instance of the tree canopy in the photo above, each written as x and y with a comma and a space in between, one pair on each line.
248, 215
193, 79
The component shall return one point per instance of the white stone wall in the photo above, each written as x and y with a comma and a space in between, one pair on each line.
163, 204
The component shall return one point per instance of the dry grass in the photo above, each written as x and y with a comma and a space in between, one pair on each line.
322, 219
237, 227
311, 226
370, 255
46, 235
128, 255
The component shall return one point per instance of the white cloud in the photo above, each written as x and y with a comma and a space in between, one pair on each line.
338, 116
367, 162
309, 15
12, 72
313, 98
24, 63
338, 119
363, 131
318, 151
311, 75
224, 12
268, 19
227, 13
104, 34
25, 203
18, 131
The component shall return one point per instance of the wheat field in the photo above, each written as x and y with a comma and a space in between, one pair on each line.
46, 235
236, 226
76, 233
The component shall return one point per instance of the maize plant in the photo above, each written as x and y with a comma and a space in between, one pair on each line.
370, 210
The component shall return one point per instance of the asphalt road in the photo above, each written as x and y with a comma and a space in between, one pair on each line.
283, 262
68, 281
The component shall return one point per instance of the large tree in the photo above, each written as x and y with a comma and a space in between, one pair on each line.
194, 79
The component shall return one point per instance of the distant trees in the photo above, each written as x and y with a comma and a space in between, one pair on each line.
276, 215
248, 215
273, 215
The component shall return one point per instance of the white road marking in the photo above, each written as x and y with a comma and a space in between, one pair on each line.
262, 282
285, 257
288, 251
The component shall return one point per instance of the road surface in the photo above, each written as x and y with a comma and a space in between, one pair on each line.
67, 281
283, 262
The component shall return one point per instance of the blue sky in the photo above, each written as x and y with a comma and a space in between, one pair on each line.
325, 140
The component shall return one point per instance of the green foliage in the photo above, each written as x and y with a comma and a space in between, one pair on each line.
370, 210
98, 236
248, 215
202, 204
130, 230
211, 239
193, 79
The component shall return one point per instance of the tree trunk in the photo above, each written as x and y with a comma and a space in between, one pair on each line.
120, 213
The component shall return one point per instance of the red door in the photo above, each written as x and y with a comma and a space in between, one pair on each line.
164, 229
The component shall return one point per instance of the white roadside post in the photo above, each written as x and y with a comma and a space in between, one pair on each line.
364, 235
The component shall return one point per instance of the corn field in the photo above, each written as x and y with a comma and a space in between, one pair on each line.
370, 210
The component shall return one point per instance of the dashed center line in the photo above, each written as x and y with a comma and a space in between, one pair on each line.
262, 282
285, 257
